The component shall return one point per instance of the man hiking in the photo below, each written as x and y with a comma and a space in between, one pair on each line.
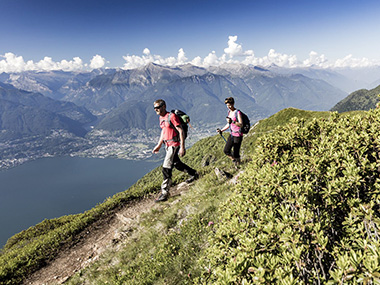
234, 122
173, 136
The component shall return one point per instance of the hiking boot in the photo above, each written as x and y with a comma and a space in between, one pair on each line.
163, 197
236, 162
193, 178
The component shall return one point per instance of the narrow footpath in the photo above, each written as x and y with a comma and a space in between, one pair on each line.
97, 238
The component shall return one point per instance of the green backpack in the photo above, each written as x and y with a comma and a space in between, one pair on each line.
184, 120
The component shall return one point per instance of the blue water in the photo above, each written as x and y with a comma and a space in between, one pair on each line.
54, 187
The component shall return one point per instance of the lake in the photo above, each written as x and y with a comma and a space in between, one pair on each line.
53, 187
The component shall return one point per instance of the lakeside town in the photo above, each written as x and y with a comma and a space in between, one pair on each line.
97, 144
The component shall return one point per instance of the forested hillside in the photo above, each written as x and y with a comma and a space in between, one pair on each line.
362, 99
303, 208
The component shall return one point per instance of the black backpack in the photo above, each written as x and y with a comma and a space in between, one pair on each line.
184, 120
246, 123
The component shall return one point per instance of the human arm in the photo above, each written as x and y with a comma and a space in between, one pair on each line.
224, 128
182, 149
159, 144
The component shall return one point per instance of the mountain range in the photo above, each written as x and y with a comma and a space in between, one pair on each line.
24, 113
120, 101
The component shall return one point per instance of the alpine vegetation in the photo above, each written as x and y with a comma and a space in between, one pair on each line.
306, 209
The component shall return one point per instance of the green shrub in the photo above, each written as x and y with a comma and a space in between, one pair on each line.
307, 208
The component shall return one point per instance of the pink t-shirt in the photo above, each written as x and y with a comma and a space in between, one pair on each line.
235, 130
168, 132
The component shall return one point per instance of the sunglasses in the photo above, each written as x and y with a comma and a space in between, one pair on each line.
158, 107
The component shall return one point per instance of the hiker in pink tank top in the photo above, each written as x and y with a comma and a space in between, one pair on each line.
234, 123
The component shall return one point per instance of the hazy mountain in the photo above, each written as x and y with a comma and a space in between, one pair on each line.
36, 100
17, 121
347, 82
368, 75
202, 97
121, 96
109, 90
375, 83
26, 113
359, 100
54, 84
238, 70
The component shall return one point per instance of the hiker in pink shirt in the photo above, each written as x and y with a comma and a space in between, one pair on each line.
173, 136
235, 123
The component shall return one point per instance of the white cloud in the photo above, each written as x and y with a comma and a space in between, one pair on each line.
97, 62
211, 60
146, 51
235, 49
283, 60
134, 61
197, 61
233, 53
350, 61
316, 60
13, 63
182, 59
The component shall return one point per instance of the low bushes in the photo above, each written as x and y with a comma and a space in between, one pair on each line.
307, 208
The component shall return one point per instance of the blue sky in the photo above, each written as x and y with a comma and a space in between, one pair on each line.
67, 34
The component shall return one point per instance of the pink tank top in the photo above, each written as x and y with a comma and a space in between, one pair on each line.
235, 130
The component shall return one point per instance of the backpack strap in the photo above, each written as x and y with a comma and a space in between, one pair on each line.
175, 138
236, 117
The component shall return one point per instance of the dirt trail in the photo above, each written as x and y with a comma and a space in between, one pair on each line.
98, 237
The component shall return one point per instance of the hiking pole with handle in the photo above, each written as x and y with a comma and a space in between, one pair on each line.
220, 133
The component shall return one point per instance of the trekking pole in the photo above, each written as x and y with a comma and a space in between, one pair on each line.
220, 133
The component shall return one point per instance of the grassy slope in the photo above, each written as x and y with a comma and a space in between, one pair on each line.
179, 238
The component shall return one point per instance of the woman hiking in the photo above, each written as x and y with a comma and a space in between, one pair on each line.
234, 122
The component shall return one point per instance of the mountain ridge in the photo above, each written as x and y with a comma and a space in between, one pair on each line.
27, 113
362, 99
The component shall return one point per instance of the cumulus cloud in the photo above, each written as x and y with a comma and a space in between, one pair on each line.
235, 49
212, 60
134, 61
97, 62
350, 61
273, 57
316, 60
181, 58
14, 63
233, 53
